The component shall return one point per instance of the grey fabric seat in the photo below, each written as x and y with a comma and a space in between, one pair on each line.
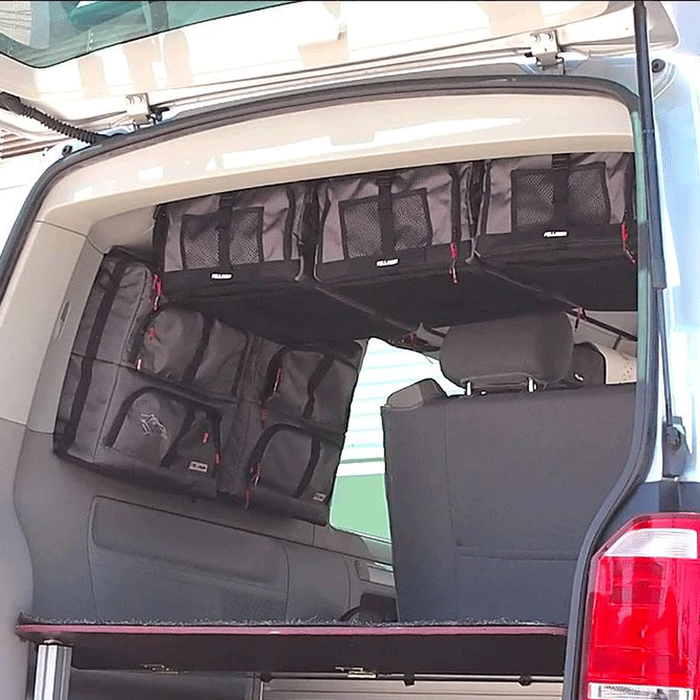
490, 495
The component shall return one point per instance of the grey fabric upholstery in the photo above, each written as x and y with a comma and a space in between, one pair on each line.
490, 497
508, 352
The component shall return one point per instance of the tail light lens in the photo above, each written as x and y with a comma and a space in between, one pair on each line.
642, 629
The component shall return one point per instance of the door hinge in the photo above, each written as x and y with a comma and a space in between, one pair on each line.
545, 49
139, 109
356, 672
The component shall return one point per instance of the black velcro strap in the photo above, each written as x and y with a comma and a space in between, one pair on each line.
310, 468
223, 229
170, 455
289, 223
455, 206
191, 371
561, 163
93, 345
315, 380
386, 216
160, 234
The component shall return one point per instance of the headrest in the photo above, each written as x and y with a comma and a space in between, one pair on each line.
507, 353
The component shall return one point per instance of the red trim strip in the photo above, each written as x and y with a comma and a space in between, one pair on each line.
49, 630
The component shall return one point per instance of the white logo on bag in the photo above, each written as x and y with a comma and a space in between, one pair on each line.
152, 426
555, 234
387, 263
198, 467
221, 275
320, 497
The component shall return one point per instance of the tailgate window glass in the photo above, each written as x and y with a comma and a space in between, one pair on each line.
42, 34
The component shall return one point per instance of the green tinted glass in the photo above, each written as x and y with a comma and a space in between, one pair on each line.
43, 34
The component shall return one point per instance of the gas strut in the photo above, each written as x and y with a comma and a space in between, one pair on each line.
675, 448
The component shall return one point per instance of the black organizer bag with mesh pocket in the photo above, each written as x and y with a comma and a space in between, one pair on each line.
191, 349
140, 400
284, 449
229, 242
382, 225
564, 223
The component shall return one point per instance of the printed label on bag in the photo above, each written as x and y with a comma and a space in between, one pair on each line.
202, 467
555, 234
152, 426
221, 275
320, 497
387, 263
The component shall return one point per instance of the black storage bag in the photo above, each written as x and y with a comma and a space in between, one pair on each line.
285, 446
385, 238
191, 349
564, 223
226, 243
383, 225
117, 418
136, 429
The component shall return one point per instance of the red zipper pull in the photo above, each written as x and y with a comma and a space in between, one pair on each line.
158, 290
624, 234
454, 254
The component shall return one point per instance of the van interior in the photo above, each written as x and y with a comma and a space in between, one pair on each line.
486, 403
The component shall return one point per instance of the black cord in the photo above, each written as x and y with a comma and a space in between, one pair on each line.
13, 104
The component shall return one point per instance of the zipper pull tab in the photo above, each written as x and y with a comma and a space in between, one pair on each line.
624, 235
454, 254
158, 291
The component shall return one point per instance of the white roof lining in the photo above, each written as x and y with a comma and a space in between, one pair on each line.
328, 141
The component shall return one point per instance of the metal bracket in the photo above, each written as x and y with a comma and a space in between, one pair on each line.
52, 672
139, 109
356, 672
545, 49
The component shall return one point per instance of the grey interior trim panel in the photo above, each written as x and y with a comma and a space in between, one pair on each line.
111, 550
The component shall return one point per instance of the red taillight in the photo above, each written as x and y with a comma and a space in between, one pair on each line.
642, 635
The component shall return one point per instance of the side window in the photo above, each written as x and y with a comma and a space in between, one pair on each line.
359, 501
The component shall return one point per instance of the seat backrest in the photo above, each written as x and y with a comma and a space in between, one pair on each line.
490, 495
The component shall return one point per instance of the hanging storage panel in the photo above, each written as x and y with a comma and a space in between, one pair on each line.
564, 223
284, 448
230, 242
149, 387
385, 224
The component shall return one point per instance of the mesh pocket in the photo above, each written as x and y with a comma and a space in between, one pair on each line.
412, 227
533, 198
199, 241
245, 231
359, 220
587, 200
361, 229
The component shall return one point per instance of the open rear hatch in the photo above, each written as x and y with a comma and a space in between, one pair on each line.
105, 63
